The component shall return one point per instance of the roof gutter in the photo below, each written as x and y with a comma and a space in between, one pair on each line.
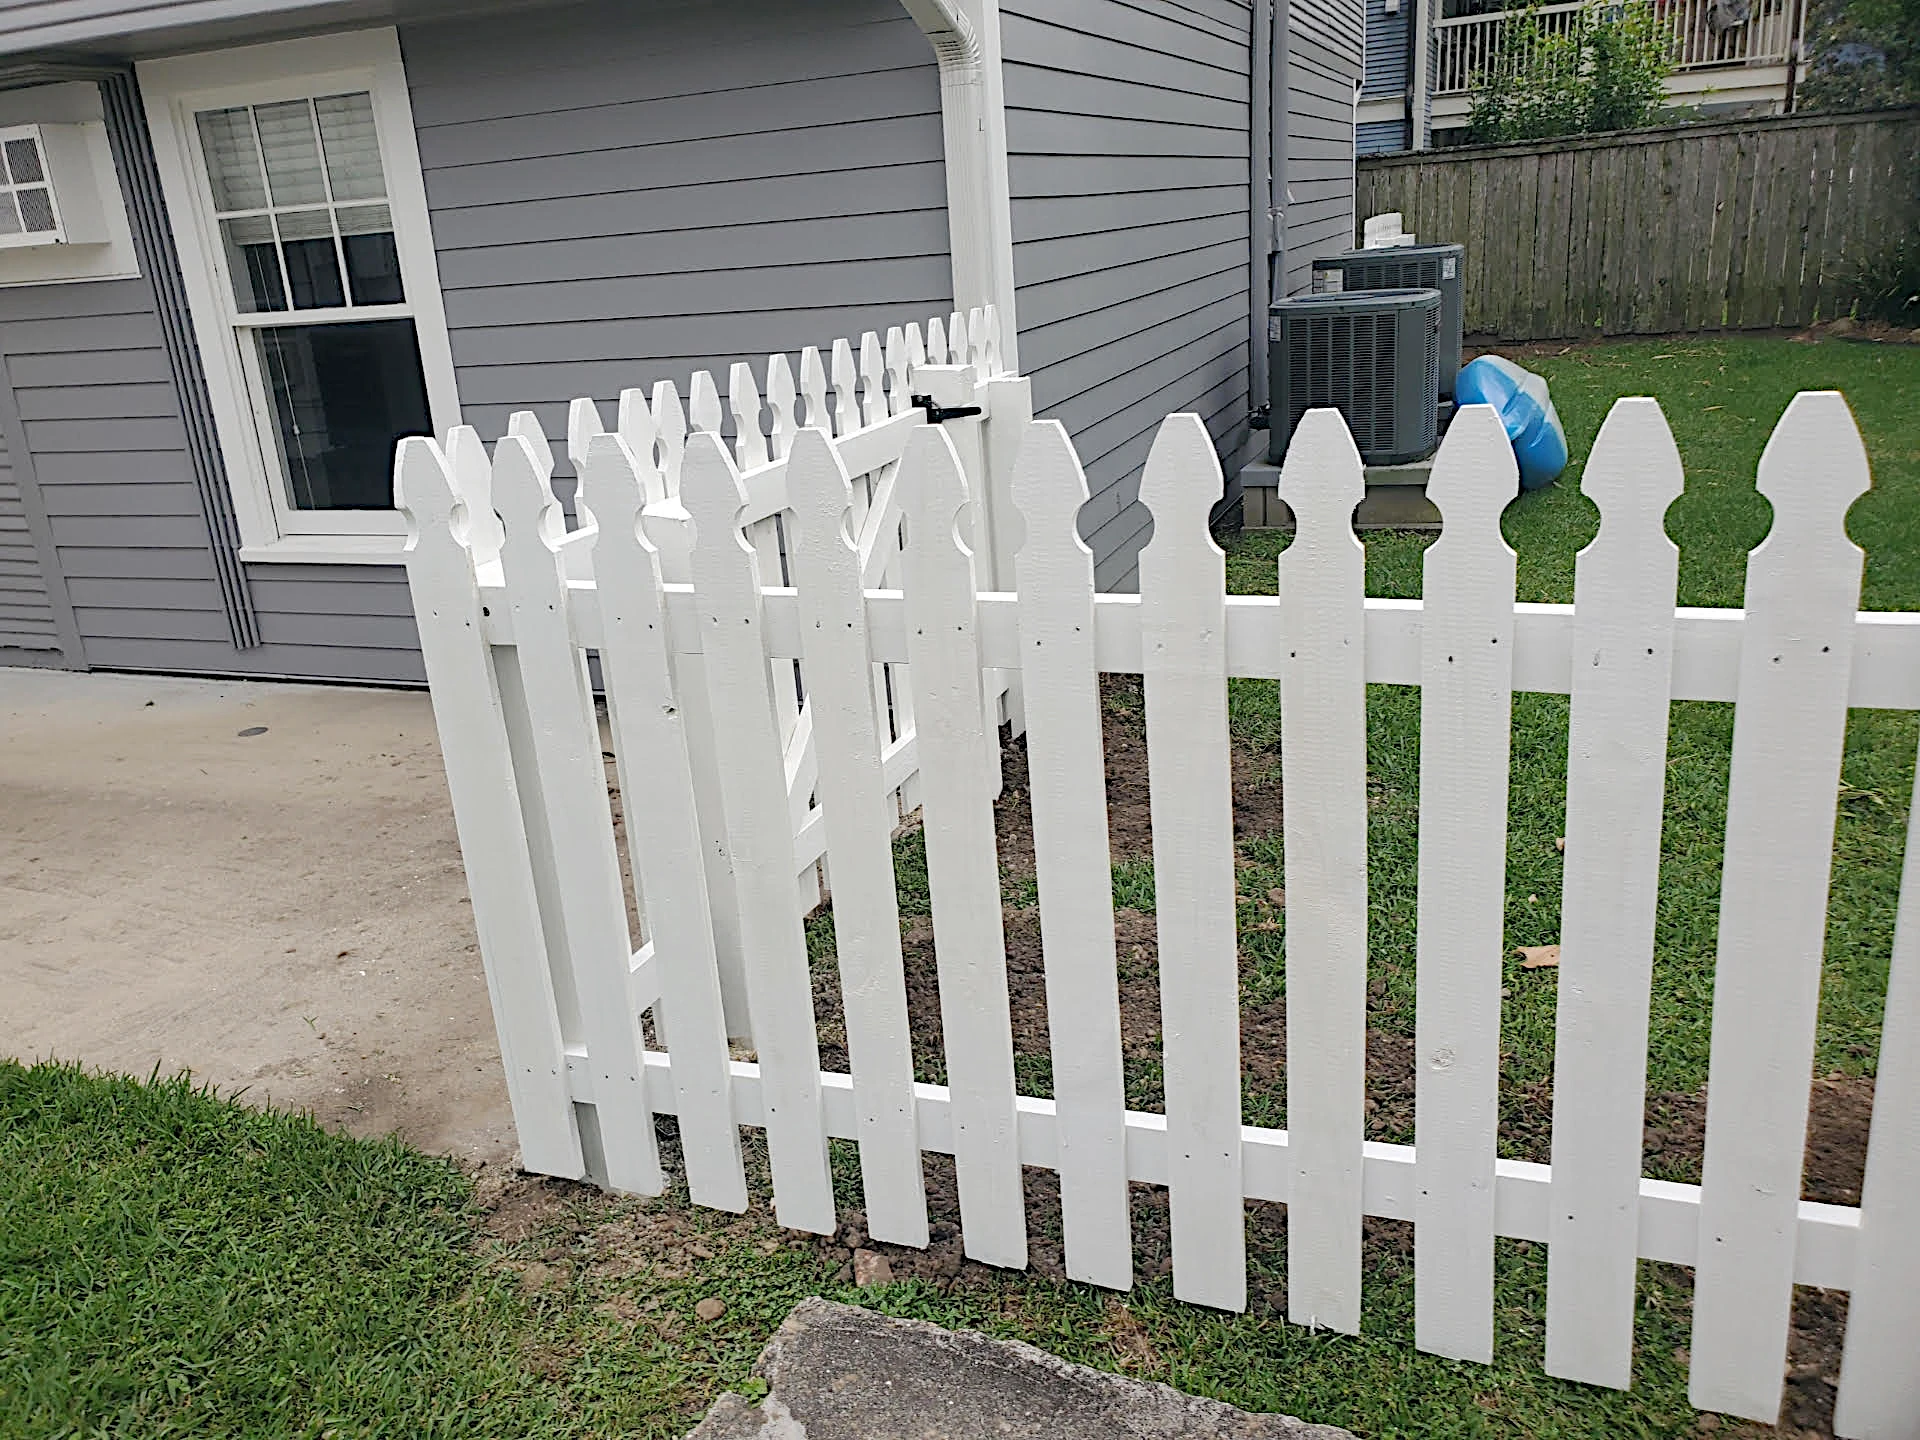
966, 42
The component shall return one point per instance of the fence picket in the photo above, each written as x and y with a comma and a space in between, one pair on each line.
753, 792
962, 856
846, 399
743, 399
896, 362
1073, 858
1616, 784
859, 823
936, 342
1789, 729
471, 469
647, 720
704, 411
633, 423
813, 389
670, 421
1184, 656
573, 790
959, 348
1466, 674
873, 380
1323, 756
444, 520
1879, 1383
782, 399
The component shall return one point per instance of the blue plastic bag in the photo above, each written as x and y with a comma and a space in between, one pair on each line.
1520, 397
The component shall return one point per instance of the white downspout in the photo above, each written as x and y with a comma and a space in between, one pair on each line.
973, 119
1419, 127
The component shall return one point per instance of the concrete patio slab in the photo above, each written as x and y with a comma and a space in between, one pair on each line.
257, 882
835, 1372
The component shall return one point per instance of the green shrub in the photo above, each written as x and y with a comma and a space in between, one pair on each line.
1607, 72
1887, 284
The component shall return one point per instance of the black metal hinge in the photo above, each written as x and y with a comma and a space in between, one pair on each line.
938, 413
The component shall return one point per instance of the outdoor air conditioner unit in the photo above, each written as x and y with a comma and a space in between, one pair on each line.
1426, 267
1374, 356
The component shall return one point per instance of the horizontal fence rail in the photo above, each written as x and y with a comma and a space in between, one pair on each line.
1739, 225
974, 632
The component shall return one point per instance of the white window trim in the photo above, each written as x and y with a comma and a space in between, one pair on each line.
173, 89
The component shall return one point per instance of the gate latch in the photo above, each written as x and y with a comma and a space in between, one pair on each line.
939, 413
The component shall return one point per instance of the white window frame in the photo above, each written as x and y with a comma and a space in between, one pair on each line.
174, 90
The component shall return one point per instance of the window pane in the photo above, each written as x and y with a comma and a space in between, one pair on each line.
36, 211
373, 263
343, 396
9, 217
313, 266
292, 151
23, 161
254, 263
353, 149
233, 163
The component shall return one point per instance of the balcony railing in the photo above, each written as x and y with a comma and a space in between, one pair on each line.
1471, 43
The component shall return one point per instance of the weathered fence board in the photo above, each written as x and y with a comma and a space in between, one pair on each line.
1739, 225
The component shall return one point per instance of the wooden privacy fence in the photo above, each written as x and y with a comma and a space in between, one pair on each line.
1750, 224
505, 642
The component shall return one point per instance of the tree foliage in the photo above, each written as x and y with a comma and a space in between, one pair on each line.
1861, 55
1605, 71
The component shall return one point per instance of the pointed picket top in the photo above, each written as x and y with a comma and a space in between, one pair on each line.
613, 483
813, 390
1180, 485
846, 399
424, 491
1049, 487
976, 338
743, 398
990, 341
1632, 475
783, 401
959, 349
526, 424
936, 489
936, 341
712, 493
896, 371
583, 423
1474, 476
635, 426
523, 494
1813, 469
916, 347
1323, 478
670, 424
873, 374
704, 412
820, 494
472, 471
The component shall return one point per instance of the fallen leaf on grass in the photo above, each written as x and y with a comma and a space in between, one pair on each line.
1539, 957
1277, 897
1560, 843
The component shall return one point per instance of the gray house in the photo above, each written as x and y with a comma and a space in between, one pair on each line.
244, 244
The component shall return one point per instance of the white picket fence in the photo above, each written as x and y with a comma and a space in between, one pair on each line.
686, 628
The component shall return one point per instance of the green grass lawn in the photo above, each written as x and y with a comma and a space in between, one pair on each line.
1722, 399
175, 1264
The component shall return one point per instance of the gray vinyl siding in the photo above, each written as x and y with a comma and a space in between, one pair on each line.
624, 194
1380, 137
26, 614
1387, 70
97, 404
1323, 67
1127, 136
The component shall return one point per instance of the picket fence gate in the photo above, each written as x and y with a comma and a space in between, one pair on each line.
691, 628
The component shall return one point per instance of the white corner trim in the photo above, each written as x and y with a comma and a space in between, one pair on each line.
171, 90
966, 41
